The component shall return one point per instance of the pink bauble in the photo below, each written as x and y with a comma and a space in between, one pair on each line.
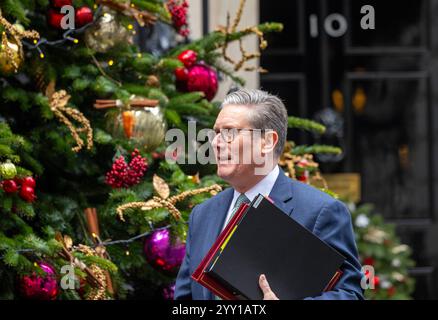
168, 292
40, 287
202, 78
162, 254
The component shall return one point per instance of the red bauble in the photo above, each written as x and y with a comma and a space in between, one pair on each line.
368, 261
83, 15
201, 78
376, 281
28, 182
38, 287
188, 57
27, 193
54, 18
60, 3
391, 291
162, 254
181, 74
10, 186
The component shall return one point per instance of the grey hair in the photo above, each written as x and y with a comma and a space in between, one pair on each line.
269, 112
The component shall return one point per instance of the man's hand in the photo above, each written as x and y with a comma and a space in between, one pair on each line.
267, 292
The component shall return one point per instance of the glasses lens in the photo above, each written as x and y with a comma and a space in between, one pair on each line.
228, 135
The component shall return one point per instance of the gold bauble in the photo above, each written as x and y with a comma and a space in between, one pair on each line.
9, 53
144, 127
107, 32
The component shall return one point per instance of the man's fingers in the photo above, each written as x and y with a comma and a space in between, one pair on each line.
266, 289
264, 285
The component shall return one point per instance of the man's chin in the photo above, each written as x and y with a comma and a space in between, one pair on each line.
225, 171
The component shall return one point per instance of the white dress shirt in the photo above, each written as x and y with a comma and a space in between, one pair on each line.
264, 187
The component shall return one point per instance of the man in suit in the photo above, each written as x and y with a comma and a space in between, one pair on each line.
244, 113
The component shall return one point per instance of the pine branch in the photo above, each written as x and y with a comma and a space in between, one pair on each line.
315, 149
305, 124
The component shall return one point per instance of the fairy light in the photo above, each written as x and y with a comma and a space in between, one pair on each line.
113, 242
139, 55
130, 26
111, 62
35, 45
74, 40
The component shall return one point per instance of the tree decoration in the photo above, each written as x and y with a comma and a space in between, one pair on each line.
83, 16
228, 30
143, 17
96, 276
10, 58
107, 32
40, 287
123, 175
200, 77
58, 102
162, 253
60, 3
9, 186
178, 11
163, 200
380, 248
168, 291
27, 193
8, 170
140, 120
132, 103
93, 228
11, 51
301, 167
54, 18
188, 58
181, 74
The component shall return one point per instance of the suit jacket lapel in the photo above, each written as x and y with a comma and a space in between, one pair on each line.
282, 193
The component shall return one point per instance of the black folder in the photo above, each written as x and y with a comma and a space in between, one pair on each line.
297, 264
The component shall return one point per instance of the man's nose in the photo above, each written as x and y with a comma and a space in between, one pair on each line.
218, 144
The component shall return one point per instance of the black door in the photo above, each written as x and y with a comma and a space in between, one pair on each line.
382, 82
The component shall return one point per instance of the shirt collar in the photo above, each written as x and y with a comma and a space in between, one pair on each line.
263, 187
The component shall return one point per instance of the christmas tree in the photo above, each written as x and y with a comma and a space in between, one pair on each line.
90, 207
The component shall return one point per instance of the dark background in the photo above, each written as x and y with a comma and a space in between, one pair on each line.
384, 116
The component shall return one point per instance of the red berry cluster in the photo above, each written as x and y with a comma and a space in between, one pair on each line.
25, 186
178, 10
137, 168
123, 175
83, 15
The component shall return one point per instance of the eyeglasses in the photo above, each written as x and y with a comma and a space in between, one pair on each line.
228, 135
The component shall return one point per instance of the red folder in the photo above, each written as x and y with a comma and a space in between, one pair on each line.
203, 278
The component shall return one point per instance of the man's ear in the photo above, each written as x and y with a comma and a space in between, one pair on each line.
270, 141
